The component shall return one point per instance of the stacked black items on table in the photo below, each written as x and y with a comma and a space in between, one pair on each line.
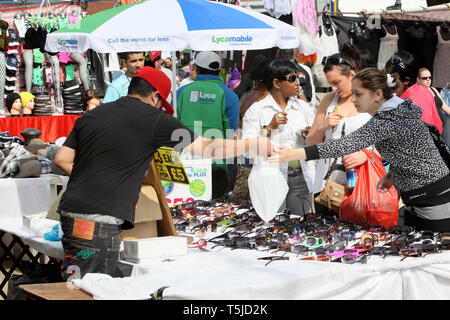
311, 237
42, 105
73, 98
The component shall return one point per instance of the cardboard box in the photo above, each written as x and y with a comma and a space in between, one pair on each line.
152, 216
200, 188
140, 249
27, 220
147, 213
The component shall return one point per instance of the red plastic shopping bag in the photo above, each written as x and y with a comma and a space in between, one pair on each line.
365, 203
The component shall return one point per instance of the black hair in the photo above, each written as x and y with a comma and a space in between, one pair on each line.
367, 59
89, 94
286, 54
405, 65
126, 55
350, 57
140, 87
201, 70
256, 74
277, 69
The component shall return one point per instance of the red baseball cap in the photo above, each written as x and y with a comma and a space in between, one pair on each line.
154, 54
160, 82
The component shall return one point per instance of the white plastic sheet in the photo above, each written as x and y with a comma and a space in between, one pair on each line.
238, 275
268, 189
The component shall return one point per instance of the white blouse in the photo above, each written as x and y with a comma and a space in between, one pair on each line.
299, 114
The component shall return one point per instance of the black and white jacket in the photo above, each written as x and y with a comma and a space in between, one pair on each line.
416, 167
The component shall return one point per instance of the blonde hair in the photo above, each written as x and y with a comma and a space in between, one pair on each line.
422, 70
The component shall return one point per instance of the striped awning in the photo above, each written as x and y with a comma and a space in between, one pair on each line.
439, 13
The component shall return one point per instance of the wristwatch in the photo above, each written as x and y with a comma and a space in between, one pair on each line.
265, 131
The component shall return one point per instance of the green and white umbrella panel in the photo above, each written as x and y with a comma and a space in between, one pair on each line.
173, 25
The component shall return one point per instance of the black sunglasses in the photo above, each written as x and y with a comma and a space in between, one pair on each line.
425, 78
335, 60
292, 78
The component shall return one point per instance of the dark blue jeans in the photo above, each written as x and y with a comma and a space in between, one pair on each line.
99, 255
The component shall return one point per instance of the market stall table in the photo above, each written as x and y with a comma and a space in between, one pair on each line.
225, 274
52, 127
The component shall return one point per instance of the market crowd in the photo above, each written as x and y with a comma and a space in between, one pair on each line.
362, 118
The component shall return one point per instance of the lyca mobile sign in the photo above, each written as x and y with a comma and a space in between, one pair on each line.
236, 40
68, 42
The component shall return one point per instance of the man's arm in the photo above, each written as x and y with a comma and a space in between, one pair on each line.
65, 158
227, 148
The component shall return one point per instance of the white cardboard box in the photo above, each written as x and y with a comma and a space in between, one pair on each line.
200, 188
141, 249
26, 220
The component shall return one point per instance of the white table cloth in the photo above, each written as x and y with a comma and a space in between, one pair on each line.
237, 275
28, 196
13, 226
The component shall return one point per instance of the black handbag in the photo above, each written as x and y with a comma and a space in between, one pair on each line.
441, 145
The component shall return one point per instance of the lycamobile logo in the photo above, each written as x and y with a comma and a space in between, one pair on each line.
242, 38
72, 42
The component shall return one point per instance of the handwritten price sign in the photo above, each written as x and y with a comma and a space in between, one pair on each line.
170, 166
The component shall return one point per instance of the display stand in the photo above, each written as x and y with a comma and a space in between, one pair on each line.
165, 225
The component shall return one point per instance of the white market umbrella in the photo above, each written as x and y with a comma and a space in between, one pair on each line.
174, 25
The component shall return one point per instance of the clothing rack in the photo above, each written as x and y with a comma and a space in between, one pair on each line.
49, 23
442, 7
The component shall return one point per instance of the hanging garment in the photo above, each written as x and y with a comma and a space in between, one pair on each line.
21, 27
62, 21
304, 17
277, 8
328, 46
3, 28
2, 82
441, 66
388, 46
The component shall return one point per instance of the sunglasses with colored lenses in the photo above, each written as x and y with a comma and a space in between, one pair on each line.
292, 78
425, 78
335, 60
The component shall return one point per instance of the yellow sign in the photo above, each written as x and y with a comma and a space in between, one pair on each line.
170, 166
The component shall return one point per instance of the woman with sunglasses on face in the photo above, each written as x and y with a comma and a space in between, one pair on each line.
424, 79
337, 116
417, 170
404, 66
283, 118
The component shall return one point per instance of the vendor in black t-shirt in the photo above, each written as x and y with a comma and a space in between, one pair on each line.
107, 155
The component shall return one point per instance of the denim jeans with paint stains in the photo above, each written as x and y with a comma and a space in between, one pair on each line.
81, 256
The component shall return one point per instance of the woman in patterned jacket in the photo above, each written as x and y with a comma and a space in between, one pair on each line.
417, 169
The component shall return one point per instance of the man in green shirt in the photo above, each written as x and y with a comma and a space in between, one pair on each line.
210, 109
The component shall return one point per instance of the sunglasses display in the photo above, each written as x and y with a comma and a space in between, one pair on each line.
220, 225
